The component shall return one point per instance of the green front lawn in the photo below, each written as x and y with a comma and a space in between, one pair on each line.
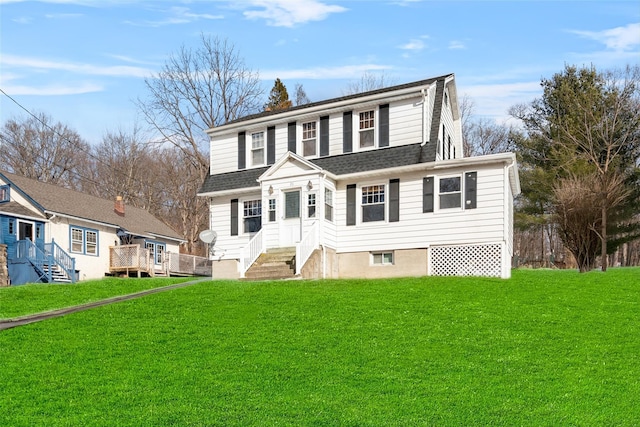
549, 348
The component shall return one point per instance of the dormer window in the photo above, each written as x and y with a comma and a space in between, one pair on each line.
309, 139
257, 148
367, 129
4, 193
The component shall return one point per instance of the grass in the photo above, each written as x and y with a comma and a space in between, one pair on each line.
33, 298
548, 348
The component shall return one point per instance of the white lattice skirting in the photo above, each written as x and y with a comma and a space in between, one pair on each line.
469, 260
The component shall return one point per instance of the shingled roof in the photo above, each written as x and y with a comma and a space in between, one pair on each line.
54, 199
440, 79
384, 158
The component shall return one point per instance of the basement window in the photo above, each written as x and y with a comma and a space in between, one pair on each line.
382, 258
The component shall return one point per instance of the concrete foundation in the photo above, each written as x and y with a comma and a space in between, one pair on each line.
406, 262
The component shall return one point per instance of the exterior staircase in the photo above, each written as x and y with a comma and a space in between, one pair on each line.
57, 274
278, 263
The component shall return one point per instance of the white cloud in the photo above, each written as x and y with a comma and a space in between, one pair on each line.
53, 90
87, 69
618, 39
456, 44
340, 72
496, 99
177, 15
288, 13
413, 44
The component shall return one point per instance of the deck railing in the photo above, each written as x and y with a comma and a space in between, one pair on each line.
307, 245
250, 253
130, 258
188, 264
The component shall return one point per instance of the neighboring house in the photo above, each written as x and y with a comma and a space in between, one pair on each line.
367, 185
56, 234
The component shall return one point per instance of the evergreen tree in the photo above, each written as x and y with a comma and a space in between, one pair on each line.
582, 143
278, 98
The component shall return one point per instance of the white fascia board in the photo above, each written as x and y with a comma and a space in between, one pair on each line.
77, 218
324, 109
160, 236
20, 216
230, 192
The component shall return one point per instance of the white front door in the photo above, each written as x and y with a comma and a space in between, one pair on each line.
291, 223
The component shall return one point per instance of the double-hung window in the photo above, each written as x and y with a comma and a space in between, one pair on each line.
450, 192
373, 203
309, 138
367, 128
84, 241
257, 148
311, 205
272, 210
156, 251
252, 216
328, 204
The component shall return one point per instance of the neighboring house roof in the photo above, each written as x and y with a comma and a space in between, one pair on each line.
15, 208
53, 199
342, 164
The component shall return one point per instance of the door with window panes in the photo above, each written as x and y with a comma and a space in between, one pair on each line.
291, 222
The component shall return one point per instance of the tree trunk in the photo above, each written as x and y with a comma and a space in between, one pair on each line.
603, 253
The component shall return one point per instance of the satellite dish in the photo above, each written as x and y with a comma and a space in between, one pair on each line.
209, 236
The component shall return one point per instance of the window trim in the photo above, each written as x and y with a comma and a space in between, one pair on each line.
373, 128
272, 209
5, 193
310, 196
155, 244
254, 149
373, 195
328, 204
460, 191
245, 217
83, 242
382, 262
315, 138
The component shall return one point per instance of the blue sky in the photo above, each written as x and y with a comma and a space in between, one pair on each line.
83, 62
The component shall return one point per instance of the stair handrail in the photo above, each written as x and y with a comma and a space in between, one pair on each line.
250, 253
62, 259
306, 246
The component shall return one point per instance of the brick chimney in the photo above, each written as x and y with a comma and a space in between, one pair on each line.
119, 206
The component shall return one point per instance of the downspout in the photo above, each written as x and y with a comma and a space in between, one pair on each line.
423, 91
506, 273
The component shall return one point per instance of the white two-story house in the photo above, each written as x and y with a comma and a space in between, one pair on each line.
367, 185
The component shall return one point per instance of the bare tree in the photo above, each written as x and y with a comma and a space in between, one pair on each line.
485, 136
367, 82
198, 89
301, 97
38, 148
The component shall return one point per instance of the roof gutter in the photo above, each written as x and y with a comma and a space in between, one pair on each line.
58, 214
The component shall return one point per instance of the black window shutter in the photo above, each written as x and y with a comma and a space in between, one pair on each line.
242, 148
347, 132
427, 194
394, 200
234, 217
470, 189
271, 145
351, 204
383, 128
324, 136
291, 137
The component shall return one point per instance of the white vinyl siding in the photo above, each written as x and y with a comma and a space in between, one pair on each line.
419, 230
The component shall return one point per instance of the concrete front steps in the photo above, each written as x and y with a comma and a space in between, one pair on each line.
278, 263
